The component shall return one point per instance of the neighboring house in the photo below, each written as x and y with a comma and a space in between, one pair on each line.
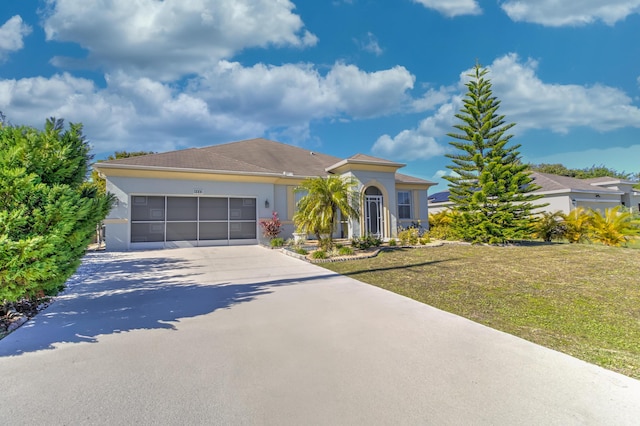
217, 195
564, 194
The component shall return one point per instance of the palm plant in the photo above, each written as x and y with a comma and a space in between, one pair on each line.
550, 226
317, 211
614, 227
577, 225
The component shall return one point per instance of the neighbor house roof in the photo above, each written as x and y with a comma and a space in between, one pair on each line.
556, 183
549, 183
253, 156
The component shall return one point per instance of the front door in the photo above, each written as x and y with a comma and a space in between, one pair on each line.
373, 215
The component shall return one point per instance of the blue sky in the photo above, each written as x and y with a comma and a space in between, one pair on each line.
383, 78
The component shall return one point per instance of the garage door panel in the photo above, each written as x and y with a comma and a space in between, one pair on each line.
242, 208
242, 230
147, 232
182, 231
182, 208
214, 208
214, 231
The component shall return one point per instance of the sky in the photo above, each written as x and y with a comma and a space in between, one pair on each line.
383, 78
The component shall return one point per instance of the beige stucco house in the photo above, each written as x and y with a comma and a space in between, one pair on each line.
564, 194
218, 194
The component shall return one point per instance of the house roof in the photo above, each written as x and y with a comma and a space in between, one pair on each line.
253, 156
549, 183
555, 183
439, 197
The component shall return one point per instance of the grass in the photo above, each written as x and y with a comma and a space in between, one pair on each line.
580, 299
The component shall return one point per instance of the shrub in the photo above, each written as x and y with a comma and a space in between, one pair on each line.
549, 226
614, 227
364, 243
577, 225
392, 242
409, 236
345, 251
424, 239
277, 242
319, 254
48, 213
301, 251
271, 228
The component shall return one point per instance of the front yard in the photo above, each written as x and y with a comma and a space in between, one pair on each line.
583, 300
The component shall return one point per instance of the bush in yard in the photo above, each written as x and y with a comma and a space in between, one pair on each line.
550, 226
409, 237
614, 227
345, 251
271, 228
48, 212
577, 225
393, 242
277, 242
424, 239
440, 225
319, 254
364, 243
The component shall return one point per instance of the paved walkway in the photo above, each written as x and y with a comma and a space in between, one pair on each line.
245, 335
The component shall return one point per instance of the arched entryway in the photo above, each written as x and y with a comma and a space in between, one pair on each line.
373, 213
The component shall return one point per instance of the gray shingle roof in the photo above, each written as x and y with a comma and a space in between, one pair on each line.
549, 182
249, 156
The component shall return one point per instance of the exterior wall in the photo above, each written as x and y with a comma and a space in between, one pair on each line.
386, 182
419, 209
118, 221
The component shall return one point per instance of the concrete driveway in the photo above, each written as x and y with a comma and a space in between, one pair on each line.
246, 335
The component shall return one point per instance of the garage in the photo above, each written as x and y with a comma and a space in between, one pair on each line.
193, 220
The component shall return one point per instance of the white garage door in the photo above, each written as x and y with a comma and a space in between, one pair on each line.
197, 220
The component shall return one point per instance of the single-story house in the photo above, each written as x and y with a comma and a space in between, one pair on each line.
217, 195
563, 193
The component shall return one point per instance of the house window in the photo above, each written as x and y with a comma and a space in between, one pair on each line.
404, 204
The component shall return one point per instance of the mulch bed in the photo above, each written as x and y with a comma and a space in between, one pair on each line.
13, 315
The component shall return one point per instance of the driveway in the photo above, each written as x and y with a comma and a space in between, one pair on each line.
246, 335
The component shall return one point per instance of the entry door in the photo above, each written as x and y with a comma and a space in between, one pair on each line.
373, 213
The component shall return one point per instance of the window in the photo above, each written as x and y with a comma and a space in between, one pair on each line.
404, 204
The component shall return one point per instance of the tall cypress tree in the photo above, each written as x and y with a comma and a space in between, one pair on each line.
491, 188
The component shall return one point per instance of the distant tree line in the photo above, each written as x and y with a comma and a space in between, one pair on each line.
586, 173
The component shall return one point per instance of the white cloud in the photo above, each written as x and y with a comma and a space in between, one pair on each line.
170, 38
534, 104
557, 13
231, 102
525, 100
370, 44
422, 142
12, 34
431, 99
452, 8
293, 94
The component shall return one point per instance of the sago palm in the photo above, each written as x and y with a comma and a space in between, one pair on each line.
613, 227
317, 211
577, 225
549, 226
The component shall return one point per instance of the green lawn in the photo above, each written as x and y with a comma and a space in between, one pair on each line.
581, 299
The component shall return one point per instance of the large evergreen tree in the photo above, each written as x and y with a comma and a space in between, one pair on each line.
48, 212
491, 188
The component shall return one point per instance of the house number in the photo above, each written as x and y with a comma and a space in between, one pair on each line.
197, 191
